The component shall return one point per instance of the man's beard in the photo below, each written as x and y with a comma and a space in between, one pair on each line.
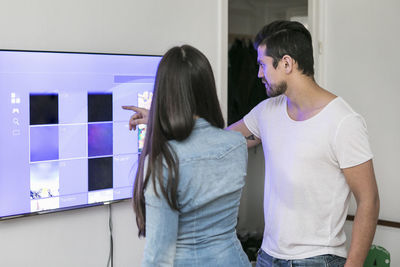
275, 90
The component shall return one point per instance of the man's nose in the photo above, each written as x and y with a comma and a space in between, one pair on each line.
260, 72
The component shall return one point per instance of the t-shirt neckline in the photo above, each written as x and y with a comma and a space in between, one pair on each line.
323, 110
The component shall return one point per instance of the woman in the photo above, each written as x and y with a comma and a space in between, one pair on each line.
191, 171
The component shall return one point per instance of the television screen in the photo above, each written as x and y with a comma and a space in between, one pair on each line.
64, 138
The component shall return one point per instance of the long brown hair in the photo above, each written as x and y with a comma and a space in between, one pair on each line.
184, 88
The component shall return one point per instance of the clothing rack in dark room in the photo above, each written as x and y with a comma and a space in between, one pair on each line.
245, 89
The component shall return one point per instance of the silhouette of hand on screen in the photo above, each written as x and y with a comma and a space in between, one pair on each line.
140, 117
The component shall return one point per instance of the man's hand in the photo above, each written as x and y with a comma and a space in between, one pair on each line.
140, 117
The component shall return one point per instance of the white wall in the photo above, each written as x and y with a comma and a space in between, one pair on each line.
80, 237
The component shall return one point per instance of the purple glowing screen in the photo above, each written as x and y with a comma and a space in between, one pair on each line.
64, 139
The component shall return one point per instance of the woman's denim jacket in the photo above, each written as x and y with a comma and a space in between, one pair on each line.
212, 168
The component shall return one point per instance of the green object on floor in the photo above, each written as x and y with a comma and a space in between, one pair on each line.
377, 257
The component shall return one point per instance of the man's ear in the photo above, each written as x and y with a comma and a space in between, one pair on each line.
288, 63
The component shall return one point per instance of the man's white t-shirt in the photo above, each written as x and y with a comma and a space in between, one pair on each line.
306, 196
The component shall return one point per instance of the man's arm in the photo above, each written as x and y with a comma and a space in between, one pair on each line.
361, 179
141, 116
240, 127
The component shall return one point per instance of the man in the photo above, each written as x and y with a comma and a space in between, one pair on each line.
316, 152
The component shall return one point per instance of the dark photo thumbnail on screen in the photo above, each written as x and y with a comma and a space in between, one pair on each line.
43, 108
100, 107
100, 173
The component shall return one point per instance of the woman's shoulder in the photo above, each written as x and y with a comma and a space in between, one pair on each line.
208, 142
225, 136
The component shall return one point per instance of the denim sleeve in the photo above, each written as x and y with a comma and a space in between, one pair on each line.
161, 230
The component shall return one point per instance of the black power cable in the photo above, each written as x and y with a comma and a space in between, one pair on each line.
110, 261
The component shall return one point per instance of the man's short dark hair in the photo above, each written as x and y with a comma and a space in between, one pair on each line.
291, 38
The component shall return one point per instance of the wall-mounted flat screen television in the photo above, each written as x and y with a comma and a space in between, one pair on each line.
64, 138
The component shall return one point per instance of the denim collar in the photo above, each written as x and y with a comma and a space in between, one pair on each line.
201, 123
